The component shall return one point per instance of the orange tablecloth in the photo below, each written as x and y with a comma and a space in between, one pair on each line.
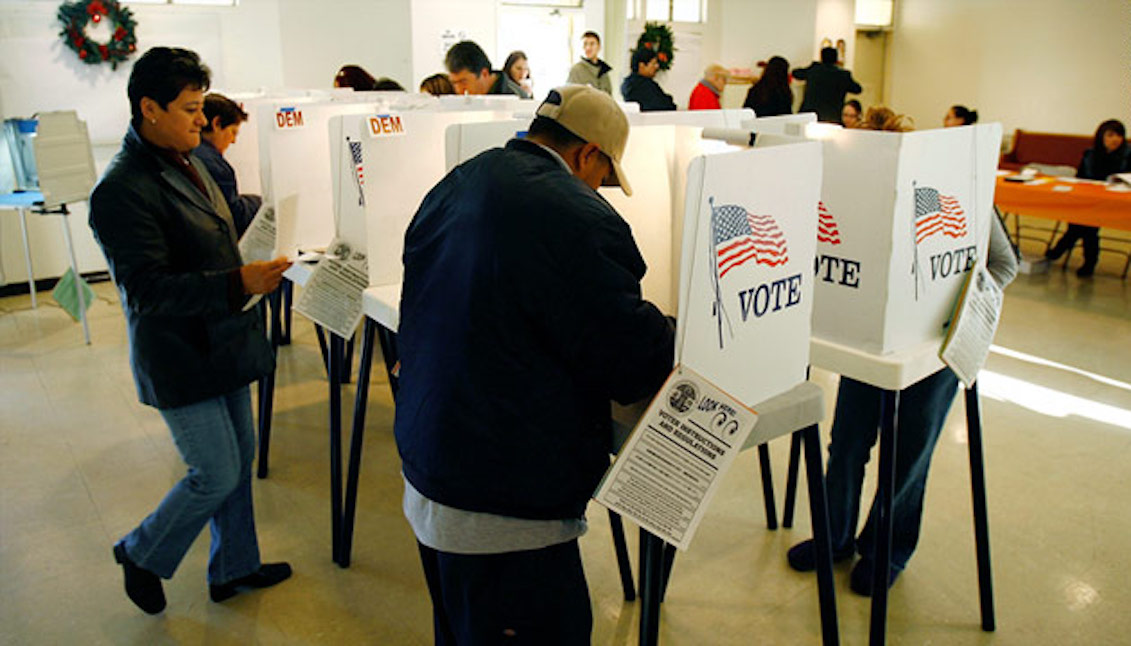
1089, 204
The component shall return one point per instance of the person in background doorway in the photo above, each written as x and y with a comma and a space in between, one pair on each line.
353, 76
437, 85
850, 114
641, 86
826, 84
591, 70
170, 243
224, 118
706, 94
960, 115
470, 72
517, 70
771, 95
1108, 155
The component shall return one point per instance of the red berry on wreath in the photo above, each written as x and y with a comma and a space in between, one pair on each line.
663, 57
96, 18
104, 51
647, 45
132, 47
82, 53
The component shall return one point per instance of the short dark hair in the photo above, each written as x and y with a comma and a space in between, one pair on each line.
855, 106
591, 34
554, 132
161, 74
386, 84
466, 55
829, 55
642, 56
218, 105
967, 115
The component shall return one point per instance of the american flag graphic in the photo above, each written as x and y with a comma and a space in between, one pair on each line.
937, 213
827, 230
359, 168
740, 236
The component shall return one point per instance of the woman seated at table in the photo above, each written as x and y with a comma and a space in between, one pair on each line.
923, 408
1108, 155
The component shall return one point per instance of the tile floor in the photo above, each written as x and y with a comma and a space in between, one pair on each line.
81, 462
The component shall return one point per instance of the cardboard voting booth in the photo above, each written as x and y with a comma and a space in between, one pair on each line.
746, 283
698, 118
903, 218
786, 124
398, 156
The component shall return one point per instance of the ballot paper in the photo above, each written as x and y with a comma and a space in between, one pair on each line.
259, 241
667, 472
972, 328
332, 296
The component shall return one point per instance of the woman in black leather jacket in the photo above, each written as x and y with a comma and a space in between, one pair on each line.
170, 242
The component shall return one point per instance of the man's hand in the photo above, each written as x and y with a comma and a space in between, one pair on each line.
264, 276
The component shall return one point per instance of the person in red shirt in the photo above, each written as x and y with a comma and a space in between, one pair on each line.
706, 94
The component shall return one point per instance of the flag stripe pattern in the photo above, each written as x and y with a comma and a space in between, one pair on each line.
355, 152
937, 213
740, 236
827, 230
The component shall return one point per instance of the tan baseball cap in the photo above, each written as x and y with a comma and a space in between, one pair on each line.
593, 116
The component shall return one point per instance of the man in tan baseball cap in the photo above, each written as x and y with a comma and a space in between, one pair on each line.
520, 318
594, 118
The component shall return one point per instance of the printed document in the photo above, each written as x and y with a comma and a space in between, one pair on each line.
973, 326
332, 296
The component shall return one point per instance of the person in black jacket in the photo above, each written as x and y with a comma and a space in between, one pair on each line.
520, 318
641, 86
224, 118
826, 84
1108, 155
771, 95
170, 242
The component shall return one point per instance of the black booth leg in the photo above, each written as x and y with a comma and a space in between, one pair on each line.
334, 371
321, 334
889, 413
981, 516
267, 388
822, 542
651, 584
624, 564
767, 486
288, 295
666, 574
791, 479
361, 400
347, 359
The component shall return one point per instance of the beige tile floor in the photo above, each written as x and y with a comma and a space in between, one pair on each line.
81, 462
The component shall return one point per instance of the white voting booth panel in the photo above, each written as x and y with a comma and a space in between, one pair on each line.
466, 140
243, 154
700, 118
786, 124
746, 282
903, 217
297, 169
403, 157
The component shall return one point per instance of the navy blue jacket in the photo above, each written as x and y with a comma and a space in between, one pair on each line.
172, 252
520, 318
647, 93
243, 207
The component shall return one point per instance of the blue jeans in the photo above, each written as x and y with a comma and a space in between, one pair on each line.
922, 411
216, 439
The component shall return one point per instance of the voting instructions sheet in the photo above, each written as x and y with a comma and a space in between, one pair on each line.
972, 330
672, 464
259, 241
332, 296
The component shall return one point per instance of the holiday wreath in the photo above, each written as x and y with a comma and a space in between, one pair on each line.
75, 17
658, 36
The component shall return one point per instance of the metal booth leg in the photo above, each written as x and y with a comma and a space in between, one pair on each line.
889, 414
791, 479
981, 517
361, 400
767, 486
822, 541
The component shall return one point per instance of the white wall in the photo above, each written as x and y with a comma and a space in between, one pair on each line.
1047, 65
475, 20
320, 37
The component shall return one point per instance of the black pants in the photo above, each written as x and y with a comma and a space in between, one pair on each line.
1091, 238
530, 597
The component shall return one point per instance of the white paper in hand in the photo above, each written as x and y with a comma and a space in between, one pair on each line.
972, 330
672, 464
259, 241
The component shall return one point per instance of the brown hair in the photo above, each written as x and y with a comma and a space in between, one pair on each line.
437, 84
218, 105
353, 76
881, 118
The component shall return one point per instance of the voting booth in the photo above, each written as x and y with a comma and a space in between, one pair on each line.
903, 218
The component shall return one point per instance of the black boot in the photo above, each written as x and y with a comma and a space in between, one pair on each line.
266, 576
142, 586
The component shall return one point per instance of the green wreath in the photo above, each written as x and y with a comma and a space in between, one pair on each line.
659, 37
75, 16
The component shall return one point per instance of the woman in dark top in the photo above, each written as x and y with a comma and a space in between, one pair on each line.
771, 95
170, 241
1108, 155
